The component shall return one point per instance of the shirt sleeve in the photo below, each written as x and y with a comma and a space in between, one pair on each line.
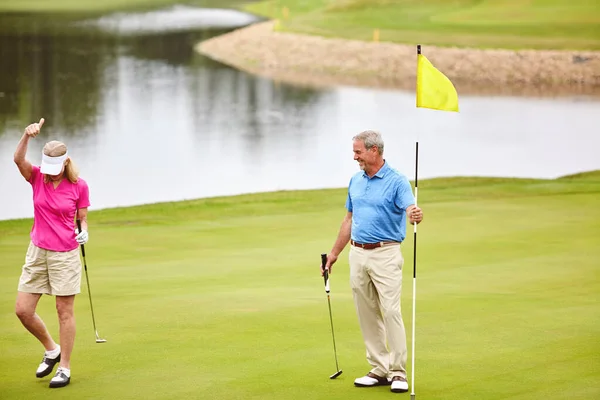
349, 199
405, 197
35, 175
84, 195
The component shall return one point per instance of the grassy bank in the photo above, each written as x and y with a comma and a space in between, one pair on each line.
513, 24
221, 298
91, 6
315, 61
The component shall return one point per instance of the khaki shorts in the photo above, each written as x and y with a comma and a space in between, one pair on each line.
51, 272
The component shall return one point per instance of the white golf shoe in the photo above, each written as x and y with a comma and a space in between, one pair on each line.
62, 378
399, 385
370, 380
51, 358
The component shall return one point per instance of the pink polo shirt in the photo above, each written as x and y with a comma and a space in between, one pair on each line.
54, 211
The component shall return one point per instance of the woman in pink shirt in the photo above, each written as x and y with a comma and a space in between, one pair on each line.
52, 264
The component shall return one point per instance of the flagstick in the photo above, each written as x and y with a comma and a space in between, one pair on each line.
414, 299
441, 95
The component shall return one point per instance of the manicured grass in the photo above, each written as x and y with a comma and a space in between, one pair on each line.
221, 298
537, 24
93, 6
515, 24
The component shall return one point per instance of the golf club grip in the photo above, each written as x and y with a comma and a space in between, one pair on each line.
323, 264
79, 227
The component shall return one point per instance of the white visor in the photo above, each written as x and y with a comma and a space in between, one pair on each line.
52, 165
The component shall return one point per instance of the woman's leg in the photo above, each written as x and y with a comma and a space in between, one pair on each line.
66, 319
25, 310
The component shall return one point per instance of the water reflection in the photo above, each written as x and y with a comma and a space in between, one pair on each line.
178, 18
51, 75
147, 119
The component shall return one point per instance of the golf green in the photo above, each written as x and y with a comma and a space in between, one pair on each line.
222, 299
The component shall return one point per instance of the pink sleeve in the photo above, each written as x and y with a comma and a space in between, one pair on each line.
35, 175
84, 194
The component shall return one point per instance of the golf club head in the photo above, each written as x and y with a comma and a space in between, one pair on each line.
99, 340
336, 374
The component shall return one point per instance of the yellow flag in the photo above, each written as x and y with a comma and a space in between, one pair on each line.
434, 89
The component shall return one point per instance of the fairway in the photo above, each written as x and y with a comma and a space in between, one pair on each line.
222, 298
512, 24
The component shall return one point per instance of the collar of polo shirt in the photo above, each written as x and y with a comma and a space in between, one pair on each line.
381, 171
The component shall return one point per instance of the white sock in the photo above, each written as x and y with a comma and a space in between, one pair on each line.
53, 353
65, 371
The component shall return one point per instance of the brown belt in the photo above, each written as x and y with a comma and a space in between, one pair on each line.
369, 246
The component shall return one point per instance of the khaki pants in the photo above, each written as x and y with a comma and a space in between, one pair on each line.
376, 281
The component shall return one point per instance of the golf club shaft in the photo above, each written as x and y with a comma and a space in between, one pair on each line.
88, 282
332, 334
90, 295
326, 279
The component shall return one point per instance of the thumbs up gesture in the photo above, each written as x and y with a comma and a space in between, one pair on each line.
33, 130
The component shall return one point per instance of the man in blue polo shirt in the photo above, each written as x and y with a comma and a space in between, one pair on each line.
379, 201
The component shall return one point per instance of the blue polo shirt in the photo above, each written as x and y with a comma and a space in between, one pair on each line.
378, 205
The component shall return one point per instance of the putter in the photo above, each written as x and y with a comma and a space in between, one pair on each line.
326, 279
98, 339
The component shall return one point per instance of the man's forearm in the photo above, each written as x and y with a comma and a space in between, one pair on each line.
343, 236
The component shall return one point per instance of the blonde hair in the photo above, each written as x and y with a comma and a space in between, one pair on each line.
57, 149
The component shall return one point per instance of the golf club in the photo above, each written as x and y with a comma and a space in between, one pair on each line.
98, 339
326, 279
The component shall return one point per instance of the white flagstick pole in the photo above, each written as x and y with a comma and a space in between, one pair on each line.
414, 299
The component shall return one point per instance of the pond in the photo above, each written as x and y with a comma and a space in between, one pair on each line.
147, 119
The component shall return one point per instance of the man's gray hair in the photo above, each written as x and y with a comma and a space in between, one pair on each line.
371, 138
